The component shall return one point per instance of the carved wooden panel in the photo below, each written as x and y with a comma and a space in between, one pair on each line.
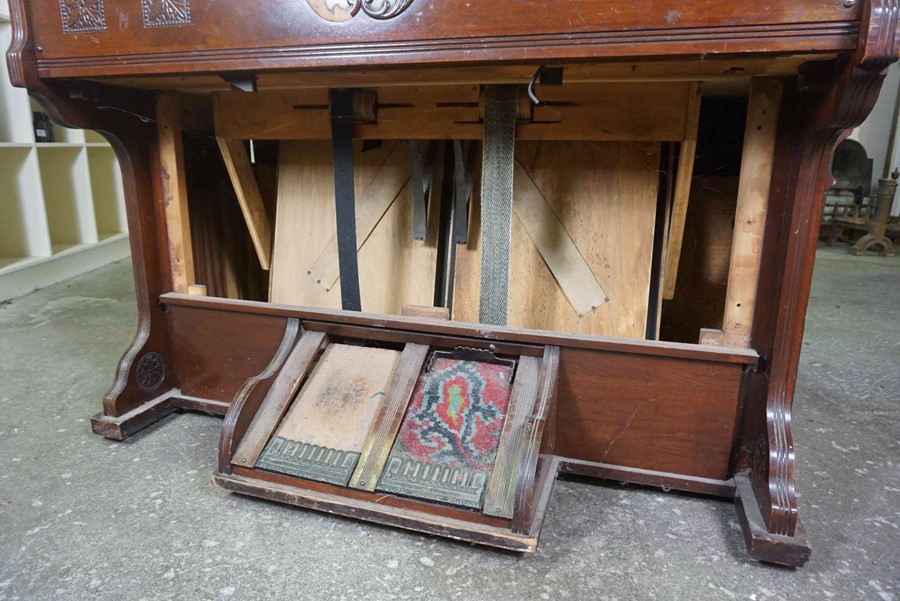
344, 10
166, 13
82, 15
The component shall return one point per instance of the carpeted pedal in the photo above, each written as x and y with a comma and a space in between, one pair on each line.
448, 441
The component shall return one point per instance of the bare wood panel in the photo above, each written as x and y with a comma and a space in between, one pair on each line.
752, 207
624, 111
605, 195
683, 182
279, 398
174, 186
247, 190
338, 404
394, 269
549, 235
437, 313
653, 413
386, 425
386, 185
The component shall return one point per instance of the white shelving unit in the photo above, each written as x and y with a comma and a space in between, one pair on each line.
62, 210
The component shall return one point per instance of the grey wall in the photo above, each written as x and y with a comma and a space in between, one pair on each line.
875, 133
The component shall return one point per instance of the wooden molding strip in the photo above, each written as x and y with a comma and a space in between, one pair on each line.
279, 398
736, 39
643, 477
387, 424
468, 332
682, 190
247, 190
501, 493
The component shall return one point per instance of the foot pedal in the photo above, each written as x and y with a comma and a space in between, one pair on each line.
446, 438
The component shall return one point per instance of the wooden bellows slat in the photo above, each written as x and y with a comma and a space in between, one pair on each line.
501, 493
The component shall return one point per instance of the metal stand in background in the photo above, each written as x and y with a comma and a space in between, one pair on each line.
877, 235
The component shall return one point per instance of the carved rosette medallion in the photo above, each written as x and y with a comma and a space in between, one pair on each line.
150, 371
338, 11
166, 13
82, 15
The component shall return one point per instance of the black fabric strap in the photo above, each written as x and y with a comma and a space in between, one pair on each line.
345, 209
420, 188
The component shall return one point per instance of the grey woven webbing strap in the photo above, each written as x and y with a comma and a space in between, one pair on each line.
500, 109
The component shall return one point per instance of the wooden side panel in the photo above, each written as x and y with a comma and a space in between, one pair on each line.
394, 269
214, 356
653, 413
605, 196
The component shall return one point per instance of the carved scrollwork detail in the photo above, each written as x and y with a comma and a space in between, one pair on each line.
82, 15
166, 13
150, 372
385, 9
344, 10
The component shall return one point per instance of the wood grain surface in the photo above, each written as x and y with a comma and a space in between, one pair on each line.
394, 269
604, 194
336, 407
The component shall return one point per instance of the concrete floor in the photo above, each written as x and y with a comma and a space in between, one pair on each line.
85, 518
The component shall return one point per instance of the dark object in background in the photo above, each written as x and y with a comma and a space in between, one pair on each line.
43, 128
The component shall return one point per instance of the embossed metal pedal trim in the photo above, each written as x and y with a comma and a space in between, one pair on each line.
434, 482
308, 461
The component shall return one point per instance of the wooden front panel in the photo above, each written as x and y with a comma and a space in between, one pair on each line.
241, 35
216, 352
654, 413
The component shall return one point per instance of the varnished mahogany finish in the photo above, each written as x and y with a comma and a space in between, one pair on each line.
288, 34
716, 421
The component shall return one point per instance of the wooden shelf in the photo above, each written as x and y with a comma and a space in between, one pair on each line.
62, 207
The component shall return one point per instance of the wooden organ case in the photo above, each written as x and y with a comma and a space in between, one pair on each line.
426, 256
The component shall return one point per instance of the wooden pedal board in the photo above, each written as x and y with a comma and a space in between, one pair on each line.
445, 437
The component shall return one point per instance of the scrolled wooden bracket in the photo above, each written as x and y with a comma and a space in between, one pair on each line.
823, 111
